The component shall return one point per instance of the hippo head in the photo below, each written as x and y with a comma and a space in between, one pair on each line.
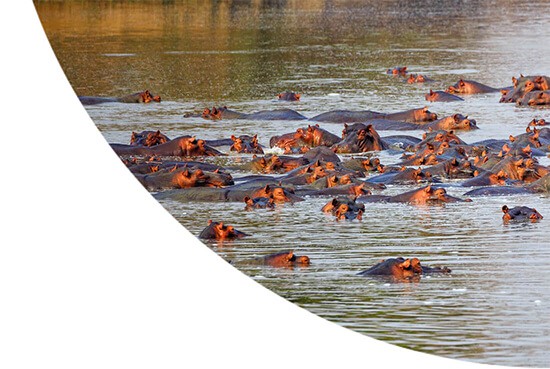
406, 268
220, 231
289, 96
457, 88
542, 98
246, 144
424, 115
187, 179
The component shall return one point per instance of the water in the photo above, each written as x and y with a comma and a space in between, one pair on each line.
495, 306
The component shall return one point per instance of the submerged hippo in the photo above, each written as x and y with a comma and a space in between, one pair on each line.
520, 213
259, 203
401, 268
467, 87
148, 138
180, 146
285, 259
418, 78
139, 97
289, 96
422, 196
246, 144
396, 71
219, 231
441, 96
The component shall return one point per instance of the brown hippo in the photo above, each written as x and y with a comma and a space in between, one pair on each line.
418, 78
344, 212
520, 213
219, 231
139, 97
453, 122
360, 140
401, 269
538, 98
315, 136
397, 71
176, 179
288, 96
148, 138
413, 115
246, 144
285, 259
467, 87
333, 205
441, 96
422, 196
180, 146
259, 203
488, 178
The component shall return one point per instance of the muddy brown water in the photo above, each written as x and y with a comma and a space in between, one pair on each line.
495, 306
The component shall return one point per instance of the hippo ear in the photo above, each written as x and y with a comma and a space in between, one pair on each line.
185, 173
290, 255
267, 189
425, 109
526, 149
406, 264
431, 92
514, 82
233, 138
209, 221
505, 209
428, 189
461, 82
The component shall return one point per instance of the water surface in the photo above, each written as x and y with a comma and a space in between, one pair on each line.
495, 306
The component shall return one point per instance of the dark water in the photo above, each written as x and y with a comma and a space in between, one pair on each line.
495, 306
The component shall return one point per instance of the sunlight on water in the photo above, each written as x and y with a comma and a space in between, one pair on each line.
495, 306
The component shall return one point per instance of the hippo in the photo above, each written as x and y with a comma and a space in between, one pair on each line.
176, 179
259, 203
488, 178
418, 78
422, 196
360, 140
335, 203
216, 113
397, 71
345, 212
413, 115
401, 269
346, 116
148, 138
453, 122
535, 98
219, 231
246, 144
139, 97
288, 140
520, 213
285, 259
453, 169
315, 136
288, 96
467, 87
274, 164
179, 146
441, 96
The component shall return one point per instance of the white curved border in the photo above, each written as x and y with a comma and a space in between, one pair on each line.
95, 273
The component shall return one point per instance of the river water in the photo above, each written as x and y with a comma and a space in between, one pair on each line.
495, 306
